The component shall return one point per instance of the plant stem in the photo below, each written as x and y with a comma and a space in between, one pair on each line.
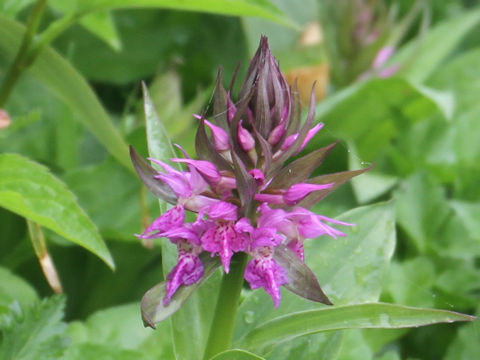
40, 246
19, 63
223, 323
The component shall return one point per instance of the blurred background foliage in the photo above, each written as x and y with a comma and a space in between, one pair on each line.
414, 114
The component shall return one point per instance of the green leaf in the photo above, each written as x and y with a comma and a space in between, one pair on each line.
459, 76
159, 143
321, 346
120, 328
410, 282
469, 214
56, 74
37, 333
422, 56
12, 8
98, 23
153, 308
421, 208
458, 283
354, 346
466, 344
374, 315
121, 194
13, 287
101, 24
259, 8
236, 355
30, 190
353, 269
383, 109
371, 184
101, 352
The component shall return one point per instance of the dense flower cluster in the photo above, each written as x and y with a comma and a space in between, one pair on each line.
246, 198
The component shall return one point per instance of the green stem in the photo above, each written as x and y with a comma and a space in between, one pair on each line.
223, 323
19, 63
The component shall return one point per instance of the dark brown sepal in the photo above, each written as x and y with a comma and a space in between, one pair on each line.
302, 281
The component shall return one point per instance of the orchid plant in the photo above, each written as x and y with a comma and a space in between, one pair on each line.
244, 204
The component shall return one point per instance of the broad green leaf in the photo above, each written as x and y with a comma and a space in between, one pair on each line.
460, 76
11, 8
353, 269
102, 25
56, 74
469, 214
101, 352
421, 208
99, 23
466, 344
35, 333
422, 56
236, 355
373, 113
455, 241
121, 328
389, 355
14, 288
121, 195
350, 270
410, 282
354, 346
321, 346
370, 184
373, 315
30, 190
260, 8
457, 282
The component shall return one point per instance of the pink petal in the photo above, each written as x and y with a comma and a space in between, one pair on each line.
382, 57
223, 210
267, 273
172, 218
276, 199
298, 192
276, 134
258, 175
289, 141
208, 170
224, 240
246, 140
220, 137
177, 183
297, 247
310, 134
188, 271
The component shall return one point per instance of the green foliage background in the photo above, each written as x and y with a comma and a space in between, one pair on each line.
64, 165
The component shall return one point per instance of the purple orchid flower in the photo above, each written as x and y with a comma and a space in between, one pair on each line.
246, 196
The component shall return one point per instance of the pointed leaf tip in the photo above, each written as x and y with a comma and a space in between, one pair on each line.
147, 173
302, 281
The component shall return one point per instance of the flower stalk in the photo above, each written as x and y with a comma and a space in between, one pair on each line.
223, 322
